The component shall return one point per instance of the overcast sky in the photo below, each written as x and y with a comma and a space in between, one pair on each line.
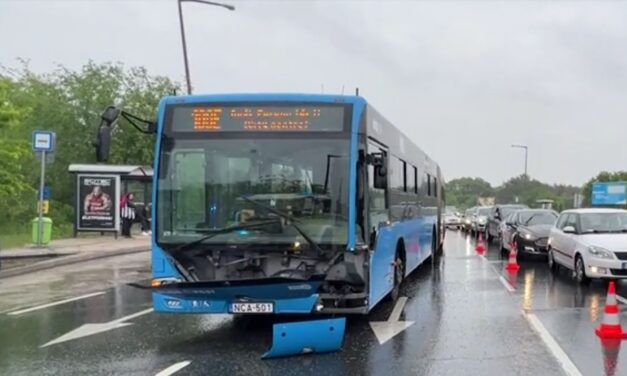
463, 79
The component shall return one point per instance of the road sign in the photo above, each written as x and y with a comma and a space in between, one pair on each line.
44, 206
609, 193
47, 193
43, 141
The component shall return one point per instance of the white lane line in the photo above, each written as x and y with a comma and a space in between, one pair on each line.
36, 308
562, 358
507, 285
621, 299
173, 368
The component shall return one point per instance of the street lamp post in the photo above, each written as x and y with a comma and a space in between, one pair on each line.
188, 79
526, 150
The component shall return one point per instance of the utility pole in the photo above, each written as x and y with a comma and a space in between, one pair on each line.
188, 78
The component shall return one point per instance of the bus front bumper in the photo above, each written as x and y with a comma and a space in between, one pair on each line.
199, 303
258, 296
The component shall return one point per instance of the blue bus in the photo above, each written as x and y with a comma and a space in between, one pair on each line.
287, 203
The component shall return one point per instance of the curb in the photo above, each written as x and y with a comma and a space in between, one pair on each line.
68, 260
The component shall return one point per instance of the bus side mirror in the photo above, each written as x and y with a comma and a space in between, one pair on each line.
103, 137
379, 161
103, 143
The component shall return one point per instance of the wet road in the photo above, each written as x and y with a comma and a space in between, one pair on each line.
470, 317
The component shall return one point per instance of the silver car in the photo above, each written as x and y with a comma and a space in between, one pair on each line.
479, 221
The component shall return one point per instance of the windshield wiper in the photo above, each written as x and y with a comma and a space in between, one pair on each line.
225, 230
292, 221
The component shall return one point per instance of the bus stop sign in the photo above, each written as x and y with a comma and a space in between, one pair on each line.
43, 141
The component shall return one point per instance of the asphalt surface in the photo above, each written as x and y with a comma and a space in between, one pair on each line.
470, 318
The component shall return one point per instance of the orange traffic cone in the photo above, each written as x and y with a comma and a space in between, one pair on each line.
512, 263
610, 326
480, 247
610, 349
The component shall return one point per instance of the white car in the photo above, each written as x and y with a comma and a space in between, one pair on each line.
452, 220
590, 242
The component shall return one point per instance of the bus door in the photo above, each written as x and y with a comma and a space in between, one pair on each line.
381, 237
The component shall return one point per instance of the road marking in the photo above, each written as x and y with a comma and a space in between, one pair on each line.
562, 358
621, 299
91, 329
386, 330
36, 308
173, 368
507, 285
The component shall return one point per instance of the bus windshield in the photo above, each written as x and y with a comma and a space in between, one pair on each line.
206, 185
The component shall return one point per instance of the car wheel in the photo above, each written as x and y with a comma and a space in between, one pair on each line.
551, 261
580, 271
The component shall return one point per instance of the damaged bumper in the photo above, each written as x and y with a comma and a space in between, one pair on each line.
271, 296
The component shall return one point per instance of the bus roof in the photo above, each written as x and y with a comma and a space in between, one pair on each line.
261, 97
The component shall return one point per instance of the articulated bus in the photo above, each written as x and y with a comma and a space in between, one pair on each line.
272, 203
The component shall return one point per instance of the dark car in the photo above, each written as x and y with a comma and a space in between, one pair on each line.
529, 228
497, 215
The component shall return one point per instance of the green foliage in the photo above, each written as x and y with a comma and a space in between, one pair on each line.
69, 103
602, 177
464, 192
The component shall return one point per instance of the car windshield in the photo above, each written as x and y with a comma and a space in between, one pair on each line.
483, 211
603, 222
537, 218
210, 184
507, 210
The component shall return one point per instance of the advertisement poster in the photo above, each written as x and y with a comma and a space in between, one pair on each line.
98, 198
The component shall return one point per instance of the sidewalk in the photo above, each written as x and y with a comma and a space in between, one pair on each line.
69, 251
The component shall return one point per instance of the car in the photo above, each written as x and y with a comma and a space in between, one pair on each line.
529, 229
591, 242
479, 219
467, 220
452, 220
497, 214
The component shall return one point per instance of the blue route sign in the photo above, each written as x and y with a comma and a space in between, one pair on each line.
43, 141
609, 193
47, 192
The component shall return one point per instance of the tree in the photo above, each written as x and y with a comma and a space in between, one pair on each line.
70, 103
464, 192
14, 185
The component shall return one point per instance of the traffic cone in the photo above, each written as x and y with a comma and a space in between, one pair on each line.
610, 349
480, 247
512, 263
610, 326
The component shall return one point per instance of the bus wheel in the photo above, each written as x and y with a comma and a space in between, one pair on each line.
399, 275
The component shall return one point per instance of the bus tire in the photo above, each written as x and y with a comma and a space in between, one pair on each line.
399, 271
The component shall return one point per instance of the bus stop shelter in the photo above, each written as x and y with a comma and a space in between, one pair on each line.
98, 191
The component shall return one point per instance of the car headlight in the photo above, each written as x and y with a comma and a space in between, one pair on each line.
468, 221
481, 221
600, 252
527, 235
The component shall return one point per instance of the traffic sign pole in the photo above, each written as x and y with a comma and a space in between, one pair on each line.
40, 230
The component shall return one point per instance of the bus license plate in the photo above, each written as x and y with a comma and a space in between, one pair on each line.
252, 308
